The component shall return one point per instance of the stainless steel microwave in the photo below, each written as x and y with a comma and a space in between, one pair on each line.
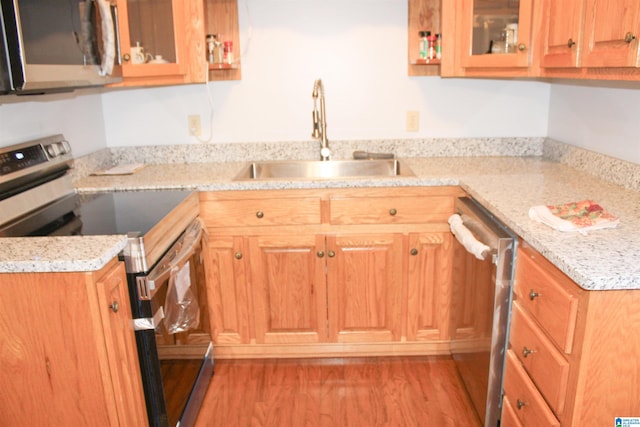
57, 45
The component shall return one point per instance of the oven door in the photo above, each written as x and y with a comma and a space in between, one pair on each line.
172, 332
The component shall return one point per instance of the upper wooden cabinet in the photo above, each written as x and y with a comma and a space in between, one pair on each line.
563, 23
424, 15
612, 29
165, 42
584, 39
489, 38
161, 42
221, 20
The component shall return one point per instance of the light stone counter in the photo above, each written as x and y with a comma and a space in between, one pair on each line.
69, 253
507, 186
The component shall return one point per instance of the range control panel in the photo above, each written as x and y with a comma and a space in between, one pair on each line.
24, 156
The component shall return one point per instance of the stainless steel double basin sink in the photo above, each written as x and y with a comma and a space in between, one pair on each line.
316, 169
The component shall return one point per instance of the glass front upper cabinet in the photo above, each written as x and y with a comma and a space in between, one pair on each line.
495, 33
155, 39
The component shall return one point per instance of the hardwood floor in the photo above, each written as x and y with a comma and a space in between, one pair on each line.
363, 392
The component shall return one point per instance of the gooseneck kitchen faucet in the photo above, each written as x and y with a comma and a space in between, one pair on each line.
320, 120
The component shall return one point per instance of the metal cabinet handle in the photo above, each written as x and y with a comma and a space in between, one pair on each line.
320, 254
571, 43
522, 47
533, 294
238, 255
331, 254
520, 403
260, 214
126, 57
527, 351
114, 306
393, 212
414, 251
629, 37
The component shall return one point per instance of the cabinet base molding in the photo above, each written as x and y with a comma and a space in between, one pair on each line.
257, 351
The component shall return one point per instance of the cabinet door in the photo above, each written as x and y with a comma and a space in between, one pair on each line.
227, 292
288, 286
122, 354
612, 29
161, 42
494, 34
364, 287
429, 286
562, 32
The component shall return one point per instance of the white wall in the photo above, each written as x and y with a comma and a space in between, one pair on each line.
602, 117
359, 49
78, 116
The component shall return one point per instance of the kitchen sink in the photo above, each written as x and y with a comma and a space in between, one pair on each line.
316, 169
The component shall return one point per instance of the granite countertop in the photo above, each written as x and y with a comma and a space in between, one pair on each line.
507, 186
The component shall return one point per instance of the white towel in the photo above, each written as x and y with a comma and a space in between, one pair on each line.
467, 239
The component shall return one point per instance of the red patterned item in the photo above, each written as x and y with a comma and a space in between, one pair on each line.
582, 216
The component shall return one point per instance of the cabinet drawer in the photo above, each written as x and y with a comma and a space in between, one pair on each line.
522, 395
509, 417
390, 210
546, 366
257, 212
549, 295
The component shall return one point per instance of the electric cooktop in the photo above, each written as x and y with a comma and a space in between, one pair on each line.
125, 212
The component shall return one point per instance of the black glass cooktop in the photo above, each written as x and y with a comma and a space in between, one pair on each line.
125, 212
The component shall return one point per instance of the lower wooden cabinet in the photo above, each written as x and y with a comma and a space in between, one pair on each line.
68, 354
364, 287
338, 280
288, 289
572, 353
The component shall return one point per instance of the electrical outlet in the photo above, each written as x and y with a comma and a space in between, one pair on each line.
195, 129
413, 121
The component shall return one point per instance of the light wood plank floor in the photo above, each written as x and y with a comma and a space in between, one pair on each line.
362, 392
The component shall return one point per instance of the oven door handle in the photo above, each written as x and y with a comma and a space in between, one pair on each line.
177, 255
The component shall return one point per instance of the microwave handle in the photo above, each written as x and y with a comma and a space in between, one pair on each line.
193, 237
108, 37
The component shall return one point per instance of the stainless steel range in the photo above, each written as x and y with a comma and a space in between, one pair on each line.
162, 257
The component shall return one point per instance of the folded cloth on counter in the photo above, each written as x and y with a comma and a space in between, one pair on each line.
582, 216
467, 239
126, 169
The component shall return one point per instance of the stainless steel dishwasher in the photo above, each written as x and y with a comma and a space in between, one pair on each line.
484, 255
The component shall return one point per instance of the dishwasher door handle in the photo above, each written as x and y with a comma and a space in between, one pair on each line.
467, 239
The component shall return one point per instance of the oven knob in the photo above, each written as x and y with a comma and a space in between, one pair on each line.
66, 148
53, 150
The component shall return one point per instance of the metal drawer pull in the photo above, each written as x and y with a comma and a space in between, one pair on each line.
533, 294
114, 306
571, 43
520, 404
414, 251
331, 254
522, 47
260, 214
238, 255
629, 37
320, 254
526, 352
393, 212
